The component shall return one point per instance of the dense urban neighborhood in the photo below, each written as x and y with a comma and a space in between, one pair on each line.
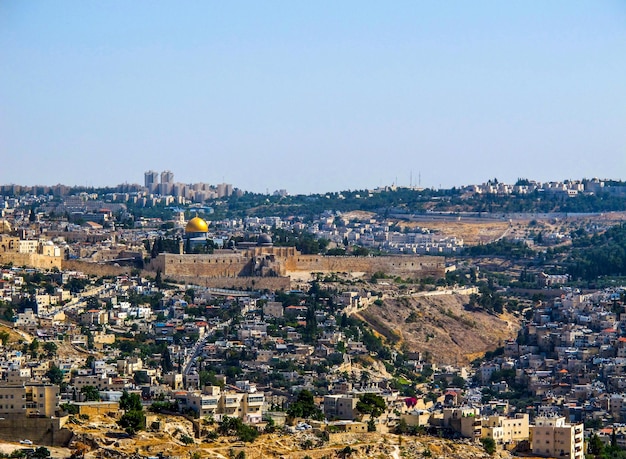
178, 320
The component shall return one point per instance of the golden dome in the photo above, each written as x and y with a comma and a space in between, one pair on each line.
196, 225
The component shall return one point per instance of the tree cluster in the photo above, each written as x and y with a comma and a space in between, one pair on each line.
305, 407
235, 427
598, 450
304, 241
133, 418
596, 255
371, 404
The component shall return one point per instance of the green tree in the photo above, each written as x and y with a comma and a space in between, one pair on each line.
130, 402
305, 407
69, 408
157, 247
186, 439
359, 251
458, 381
50, 349
402, 427
270, 427
41, 453
90, 393
235, 426
55, 375
33, 347
89, 361
132, 421
346, 452
209, 378
489, 444
166, 361
158, 280
595, 446
310, 329
371, 404
229, 425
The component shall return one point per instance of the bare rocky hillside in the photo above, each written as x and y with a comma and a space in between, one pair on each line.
440, 327
101, 442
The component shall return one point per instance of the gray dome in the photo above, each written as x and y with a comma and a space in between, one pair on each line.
265, 240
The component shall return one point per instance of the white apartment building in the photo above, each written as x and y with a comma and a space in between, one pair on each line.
214, 403
553, 437
506, 430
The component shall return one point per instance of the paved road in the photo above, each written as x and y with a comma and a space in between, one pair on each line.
197, 348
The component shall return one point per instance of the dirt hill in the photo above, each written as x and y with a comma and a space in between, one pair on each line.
440, 327
472, 233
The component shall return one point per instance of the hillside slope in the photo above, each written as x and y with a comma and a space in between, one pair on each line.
440, 327
281, 446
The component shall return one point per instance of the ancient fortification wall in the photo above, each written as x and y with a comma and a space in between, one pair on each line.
210, 266
31, 260
240, 269
97, 269
405, 266
240, 264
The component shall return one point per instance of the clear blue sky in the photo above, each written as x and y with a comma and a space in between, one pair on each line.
312, 96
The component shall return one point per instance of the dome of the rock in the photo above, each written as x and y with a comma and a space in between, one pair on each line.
196, 225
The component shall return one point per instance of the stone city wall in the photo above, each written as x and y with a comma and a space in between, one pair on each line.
239, 264
31, 260
99, 408
405, 266
221, 265
41, 431
97, 269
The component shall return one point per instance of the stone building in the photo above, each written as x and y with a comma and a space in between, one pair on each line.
553, 437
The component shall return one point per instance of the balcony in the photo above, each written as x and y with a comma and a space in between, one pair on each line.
232, 402
209, 403
256, 400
